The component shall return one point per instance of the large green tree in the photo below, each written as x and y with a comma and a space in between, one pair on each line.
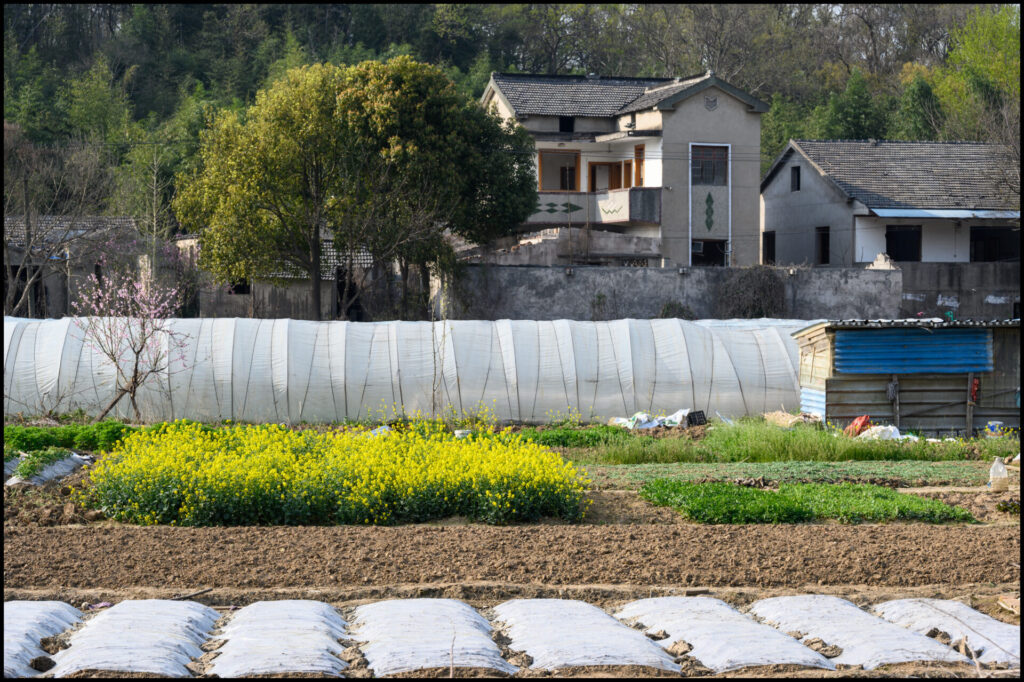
382, 157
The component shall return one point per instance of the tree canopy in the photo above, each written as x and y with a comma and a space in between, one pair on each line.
380, 157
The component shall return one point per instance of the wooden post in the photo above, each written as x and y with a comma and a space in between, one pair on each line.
970, 405
896, 402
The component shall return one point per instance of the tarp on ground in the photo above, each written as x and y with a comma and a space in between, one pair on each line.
520, 370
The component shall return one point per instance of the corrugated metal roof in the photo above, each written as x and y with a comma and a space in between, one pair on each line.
913, 351
943, 213
925, 323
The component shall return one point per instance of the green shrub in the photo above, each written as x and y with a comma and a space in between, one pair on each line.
27, 438
796, 502
91, 437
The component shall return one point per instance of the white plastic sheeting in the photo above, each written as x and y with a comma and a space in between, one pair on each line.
561, 633
65, 467
402, 635
286, 636
26, 623
156, 636
290, 371
997, 642
865, 639
722, 638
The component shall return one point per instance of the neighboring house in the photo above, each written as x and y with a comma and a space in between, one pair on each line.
671, 160
55, 254
843, 202
288, 294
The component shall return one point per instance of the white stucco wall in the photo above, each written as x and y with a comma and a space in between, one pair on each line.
653, 168
941, 240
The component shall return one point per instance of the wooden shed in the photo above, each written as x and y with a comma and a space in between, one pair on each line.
931, 376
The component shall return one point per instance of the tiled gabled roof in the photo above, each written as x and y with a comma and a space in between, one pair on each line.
54, 229
605, 96
653, 96
935, 175
571, 95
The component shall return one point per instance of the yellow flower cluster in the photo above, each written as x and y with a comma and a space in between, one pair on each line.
187, 474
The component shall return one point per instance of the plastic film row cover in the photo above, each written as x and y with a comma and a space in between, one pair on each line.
529, 371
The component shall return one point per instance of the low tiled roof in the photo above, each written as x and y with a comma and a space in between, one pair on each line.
60, 228
571, 95
330, 258
653, 96
936, 175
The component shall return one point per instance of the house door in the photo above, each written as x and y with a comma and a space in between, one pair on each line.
604, 176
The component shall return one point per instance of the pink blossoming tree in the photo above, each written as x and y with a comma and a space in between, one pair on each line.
128, 322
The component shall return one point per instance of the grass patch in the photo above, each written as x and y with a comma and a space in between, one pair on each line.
797, 503
753, 440
588, 437
37, 460
905, 474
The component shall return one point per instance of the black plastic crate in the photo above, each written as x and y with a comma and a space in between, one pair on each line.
696, 419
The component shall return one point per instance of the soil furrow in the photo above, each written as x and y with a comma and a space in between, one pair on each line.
721, 556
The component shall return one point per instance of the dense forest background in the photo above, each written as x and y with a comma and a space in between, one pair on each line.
139, 81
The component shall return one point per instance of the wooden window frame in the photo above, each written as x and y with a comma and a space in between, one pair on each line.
639, 154
540, 168
627, 173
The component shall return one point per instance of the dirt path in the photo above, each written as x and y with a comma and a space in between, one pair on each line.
681, 555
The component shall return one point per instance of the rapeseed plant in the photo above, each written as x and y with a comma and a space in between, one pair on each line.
188, 475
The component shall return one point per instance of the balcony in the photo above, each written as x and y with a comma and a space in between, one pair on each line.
632, 205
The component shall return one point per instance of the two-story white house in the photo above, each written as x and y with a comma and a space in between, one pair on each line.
670, 164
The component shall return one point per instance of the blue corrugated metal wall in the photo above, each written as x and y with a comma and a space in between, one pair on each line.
913, 351
812, 401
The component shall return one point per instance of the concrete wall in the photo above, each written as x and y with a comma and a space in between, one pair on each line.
983, 291
293, 301
975, 290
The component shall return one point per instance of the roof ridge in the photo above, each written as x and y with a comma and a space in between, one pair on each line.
583, 76
869, 141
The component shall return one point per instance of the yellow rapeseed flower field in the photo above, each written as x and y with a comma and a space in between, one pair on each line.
186, 474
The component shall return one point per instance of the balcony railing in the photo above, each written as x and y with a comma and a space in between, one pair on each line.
635, 204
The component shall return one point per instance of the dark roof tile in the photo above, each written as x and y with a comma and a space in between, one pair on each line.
571, 95
935, 175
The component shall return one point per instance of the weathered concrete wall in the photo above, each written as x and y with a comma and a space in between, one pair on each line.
491, 292
293, 301
983, 291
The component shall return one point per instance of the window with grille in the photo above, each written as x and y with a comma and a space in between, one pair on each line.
709, 165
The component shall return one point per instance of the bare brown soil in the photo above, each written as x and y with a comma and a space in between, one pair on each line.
980, 502
648, 554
